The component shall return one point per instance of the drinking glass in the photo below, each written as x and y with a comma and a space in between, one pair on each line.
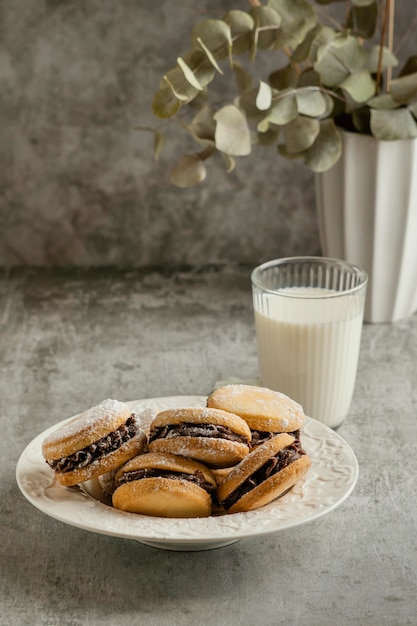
308, 320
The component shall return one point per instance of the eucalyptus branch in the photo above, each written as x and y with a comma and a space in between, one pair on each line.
384, 29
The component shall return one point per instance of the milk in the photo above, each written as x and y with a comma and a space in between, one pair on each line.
308, 347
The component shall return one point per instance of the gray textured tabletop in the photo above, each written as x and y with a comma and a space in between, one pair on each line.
70, 339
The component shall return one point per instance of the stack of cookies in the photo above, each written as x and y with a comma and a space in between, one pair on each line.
236, 454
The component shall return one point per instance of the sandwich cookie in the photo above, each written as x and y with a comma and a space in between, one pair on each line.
216, 438
266, 412
164, 485
264, 475
94, 442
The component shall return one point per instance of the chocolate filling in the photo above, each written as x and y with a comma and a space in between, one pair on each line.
197, 478
196, 430
260, 436
272, 466
100, 448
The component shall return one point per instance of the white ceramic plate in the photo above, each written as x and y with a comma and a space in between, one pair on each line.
328, 483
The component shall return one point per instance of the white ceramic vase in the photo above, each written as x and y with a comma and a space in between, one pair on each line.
367, 212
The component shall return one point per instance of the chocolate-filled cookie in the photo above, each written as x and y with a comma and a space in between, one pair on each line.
216, 438
264, 475
164, 485
266, 412
94, 442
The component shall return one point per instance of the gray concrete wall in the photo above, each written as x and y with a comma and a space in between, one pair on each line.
79, 186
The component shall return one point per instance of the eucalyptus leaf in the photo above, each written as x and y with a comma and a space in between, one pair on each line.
388, 59
241, 27
298, 18
362, 3
216, 36
247, 102
391, 125
269, 137
300, 134
318, 36
404, 89
264, 96
158, 144
189, 74
383, 101
230, 162
360, 86
243, 77
209, 55
361, 120
202, 67
203, 127
327, 148
410, 66
284, 109
362, 19
165, 104
268, 22
313, 102
338, 59
309, 78
284, 77
189, 171
232, 134
180, 87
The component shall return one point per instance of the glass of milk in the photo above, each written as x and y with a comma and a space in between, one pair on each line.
308, 320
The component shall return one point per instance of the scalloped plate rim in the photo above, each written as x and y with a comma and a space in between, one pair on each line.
203, 533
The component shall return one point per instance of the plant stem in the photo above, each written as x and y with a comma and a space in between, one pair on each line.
390, 40
384, 28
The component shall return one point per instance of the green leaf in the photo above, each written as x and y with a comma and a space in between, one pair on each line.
209, 55
383, 101
268, 23
283, 109
339, 58
179, 86
264, 97
189, 74
243, 78
298, 18
361, 120
320, 35
247, 102
229, 162
326, 150
362, 3
363, 18
404, 89
391, 125
360, 86
300, 134
216, 36
283, 78
165, 104
313, 102
158, 144
203, 126
309, 78
232, 131
410, 66
241, 27
189, 171
269, 137
202, 67
388, 59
